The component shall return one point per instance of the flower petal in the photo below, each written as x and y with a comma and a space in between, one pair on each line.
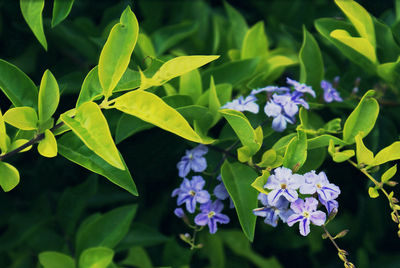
202, 196
304, 227
198, 164
221, 218
197, 183
292, 219
201, 219
274, 195
212, 225
318, 218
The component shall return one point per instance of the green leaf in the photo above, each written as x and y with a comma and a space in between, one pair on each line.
24, 118
97, 257
260, 181
323, 141
311, 64
389, 174
128, 125
106, 230
386, 46
72, 148
359, 17
255, 42
213, 102
310, 122
362, 119
373, 193
339, 156
171, 35
9, 176
117, 51
152, 109
364, 155
137, 257
18, 143
315, 158
146, 46
51, 259
61, 9
90, 125
390, 71
389, 153
190, 84
281, 144
268, 158
48, 146
49, 96
296, 152
359, 44
174, 68
326, 25
333, 126
238, 24
17, 86
243, 129
32, 13
4, 140
237, 179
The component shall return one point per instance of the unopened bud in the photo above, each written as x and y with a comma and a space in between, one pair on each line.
392, 183
324, 236
349, 265
398, 234
342, 255
185, 237
394, 217
395, 200
341, 234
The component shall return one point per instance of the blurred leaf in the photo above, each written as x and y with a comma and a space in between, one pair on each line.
296, 152
386, 46
128, 125
169, 36
315, 158
145, 46
17, 86
390, 71
52, 259
61, 9
24, 118
137, 257
90, 125
151, 108
362, 119
97, 257
237, 179
9, 176
190, 84
389, 174
72, 148
176, 256
48, 146
311, 64
116, 53
49, 97
372, 192
214, 249
4, 139
32, 13
255, 42
238, 24
106, 230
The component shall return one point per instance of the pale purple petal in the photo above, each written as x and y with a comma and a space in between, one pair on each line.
183, 167
292, 219
217, 206
262, 212
283, 173
274, 195
198, 164
331, 205
197, 182
290, 108
290, 195
179, 212
263, 198
272, 183
200, 150
304, 226
296, 181
252, 107
175, 192
308, 188
318, 218
212, 225
221, 218
182, 198
202, 196
272, 109
220, 192
285, 214
191, 205
201, 219
297, 206
310, 204
279, 123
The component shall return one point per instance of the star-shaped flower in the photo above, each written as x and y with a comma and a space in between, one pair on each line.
191, 192
273, 213
243, 104
193, 160
319, 183
211, 214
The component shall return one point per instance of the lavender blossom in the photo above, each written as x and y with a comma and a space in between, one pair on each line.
193, 160
211, 214
221, 193
330, 93
191, 192
283, 183
300, 87
240, 104
319, 183
270, 89
273, 213
179, 212
330, 205
280, 120
306, 212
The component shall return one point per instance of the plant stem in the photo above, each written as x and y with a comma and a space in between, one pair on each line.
341, 253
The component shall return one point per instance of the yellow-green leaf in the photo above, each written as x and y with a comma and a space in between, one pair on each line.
152, 109
32, 13
9, 176
389, 173
190, 84
343, 156
255, 42
373, 193
48, 146
3, 135
364, 155
260, 181
296, 151
61, 9
90, 125
98, 257
359, 17
116, 53
174, 68
18, 143
52, 259
24, 118
389, 153
213, 102
360, 44
49, 96
268, 158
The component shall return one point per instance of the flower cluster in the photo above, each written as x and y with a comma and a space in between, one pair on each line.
330, 93
282, 106
283, 201
192, 192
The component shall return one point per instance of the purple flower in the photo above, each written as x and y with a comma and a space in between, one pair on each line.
221, 193
210, 214
273, 213
191, 192
330, 93
283, 183
240, 104
306, 212
280, 120
319, 183
330, 205
193, 160
299, 87
179, 212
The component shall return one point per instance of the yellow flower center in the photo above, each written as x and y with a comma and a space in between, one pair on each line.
211, 214
192, 193
283, 186
306, 214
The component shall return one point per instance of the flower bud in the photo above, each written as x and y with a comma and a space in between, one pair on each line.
392, 183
